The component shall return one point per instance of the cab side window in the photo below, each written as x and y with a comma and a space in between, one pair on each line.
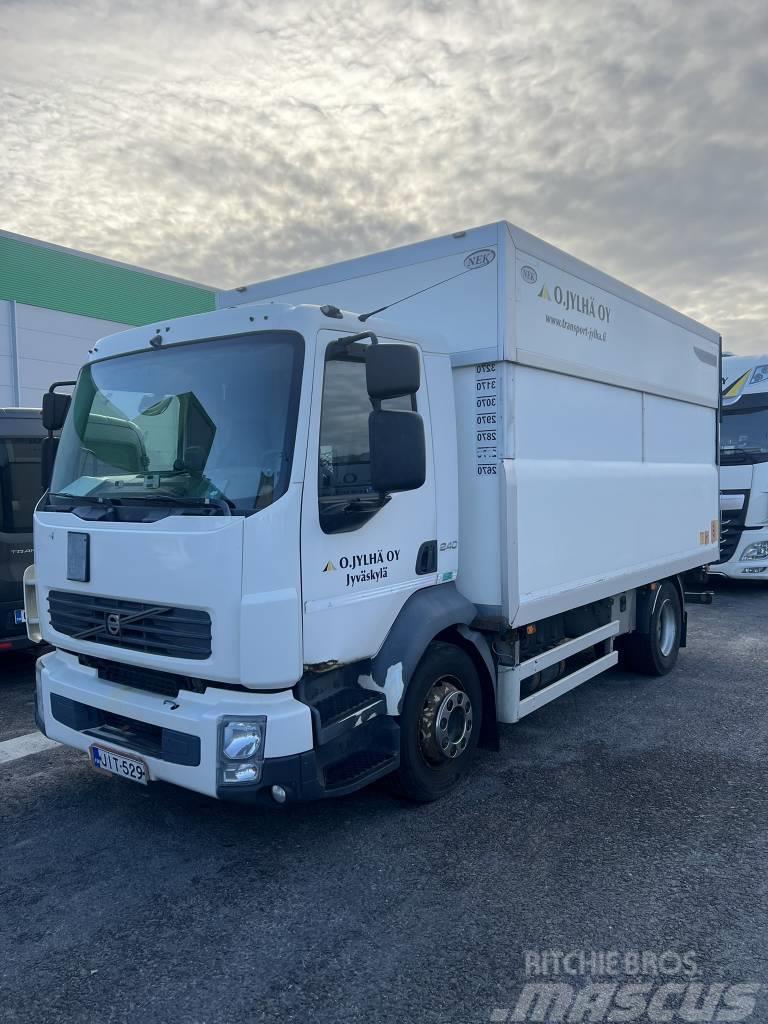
345, 458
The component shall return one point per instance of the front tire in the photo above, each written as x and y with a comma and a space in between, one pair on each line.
439, 724
655, 653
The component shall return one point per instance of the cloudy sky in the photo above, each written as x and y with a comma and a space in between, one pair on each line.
232, 140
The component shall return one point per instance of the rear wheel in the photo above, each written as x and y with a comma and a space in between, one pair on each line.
439, 724
655, 653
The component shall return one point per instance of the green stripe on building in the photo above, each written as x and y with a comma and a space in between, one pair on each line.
73, 283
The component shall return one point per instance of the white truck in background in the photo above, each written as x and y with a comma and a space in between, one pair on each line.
291, 547
744, 469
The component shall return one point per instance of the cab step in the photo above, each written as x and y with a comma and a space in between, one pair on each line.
358, 769
339, 706
345, 710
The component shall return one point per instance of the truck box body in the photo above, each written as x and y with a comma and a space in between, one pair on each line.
586, 412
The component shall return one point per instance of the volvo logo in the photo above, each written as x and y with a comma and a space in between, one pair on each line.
113, 624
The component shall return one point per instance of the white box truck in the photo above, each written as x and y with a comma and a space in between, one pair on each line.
744, 469
290, 547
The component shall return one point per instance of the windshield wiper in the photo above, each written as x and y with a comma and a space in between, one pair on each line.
225, 504
85, 499
734, 454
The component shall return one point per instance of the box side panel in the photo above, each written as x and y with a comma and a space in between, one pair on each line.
609, 489
564, 320
678, 431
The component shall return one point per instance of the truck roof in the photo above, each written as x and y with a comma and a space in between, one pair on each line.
242, 319
455, 243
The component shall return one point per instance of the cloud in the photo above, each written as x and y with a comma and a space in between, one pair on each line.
234, 140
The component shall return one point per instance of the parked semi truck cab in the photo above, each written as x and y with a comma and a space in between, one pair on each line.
288, 549
20, 487
744, 469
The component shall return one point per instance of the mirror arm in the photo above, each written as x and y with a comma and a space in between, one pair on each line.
348, 339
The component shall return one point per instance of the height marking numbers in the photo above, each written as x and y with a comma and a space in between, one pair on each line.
487, 419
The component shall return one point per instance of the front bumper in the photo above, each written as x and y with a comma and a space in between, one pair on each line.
737, 568
71, 696
178, 738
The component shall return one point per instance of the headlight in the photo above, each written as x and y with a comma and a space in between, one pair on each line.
241, 747
758, 550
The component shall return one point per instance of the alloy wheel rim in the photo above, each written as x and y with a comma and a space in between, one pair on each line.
446, 721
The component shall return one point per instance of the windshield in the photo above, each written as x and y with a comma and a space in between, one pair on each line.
745, 430
213, 419
20, 485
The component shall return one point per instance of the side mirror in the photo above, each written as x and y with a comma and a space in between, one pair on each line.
398, 450
55, 408
392, 371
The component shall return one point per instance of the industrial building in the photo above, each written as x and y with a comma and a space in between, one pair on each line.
55, 302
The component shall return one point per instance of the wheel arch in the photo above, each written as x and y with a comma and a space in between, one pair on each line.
479, 650
438, 613
646, 602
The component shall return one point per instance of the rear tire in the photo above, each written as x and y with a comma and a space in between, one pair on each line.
439, 724
655, 653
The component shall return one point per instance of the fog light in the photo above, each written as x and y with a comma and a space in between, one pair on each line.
752, 569
242, 773
279, 795
241, 748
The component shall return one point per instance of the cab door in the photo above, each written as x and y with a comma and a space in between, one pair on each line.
363, 552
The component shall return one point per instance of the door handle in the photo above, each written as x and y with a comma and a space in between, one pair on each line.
426, 560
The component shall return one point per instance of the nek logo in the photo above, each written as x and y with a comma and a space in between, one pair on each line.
479, 258
528, 274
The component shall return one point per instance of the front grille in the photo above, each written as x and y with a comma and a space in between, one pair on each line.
167, 684
731, 526
730, 534
156, 629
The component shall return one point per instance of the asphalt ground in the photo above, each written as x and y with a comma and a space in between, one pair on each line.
629, 817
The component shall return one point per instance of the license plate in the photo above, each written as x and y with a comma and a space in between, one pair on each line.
118, 764
19, 617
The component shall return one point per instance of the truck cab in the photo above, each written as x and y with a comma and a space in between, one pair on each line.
287, 501
744, 469
21, 436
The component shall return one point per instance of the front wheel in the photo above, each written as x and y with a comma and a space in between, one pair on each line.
655, 653
439, 724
